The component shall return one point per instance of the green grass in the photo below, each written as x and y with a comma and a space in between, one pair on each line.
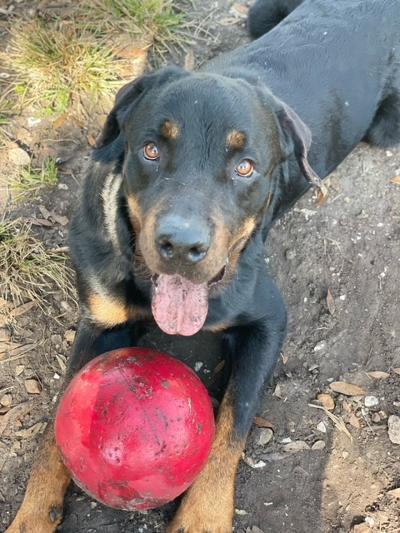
30, 181
64, 65
57, 66
29, 272
156, 20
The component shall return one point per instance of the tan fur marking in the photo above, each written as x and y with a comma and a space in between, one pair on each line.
218, 327
106, 311
235, 140
41, 509
110, 312
135, 213
170, 130
208, 505
244, 232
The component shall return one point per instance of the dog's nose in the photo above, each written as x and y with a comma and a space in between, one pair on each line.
182, 240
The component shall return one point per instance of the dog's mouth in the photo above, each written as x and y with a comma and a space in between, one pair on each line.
179, 305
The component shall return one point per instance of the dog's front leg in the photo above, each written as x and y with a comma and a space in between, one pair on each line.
41, 509
208, 505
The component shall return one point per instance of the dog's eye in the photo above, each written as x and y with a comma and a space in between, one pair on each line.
245, 168
151, 152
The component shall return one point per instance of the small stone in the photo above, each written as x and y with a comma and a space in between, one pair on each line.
62, 187
19, 369
318, 445
345, 455
321, 427
19, 157
394, 429
56, 340
361, 528
375, 418
252, 463
33, 121
320, 346
69, 336
296, 446
263, 436
198, 365
290, 254
371, 401
327, 401
241, 512
6, 400
32, 386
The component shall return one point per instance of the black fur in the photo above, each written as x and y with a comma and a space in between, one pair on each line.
329, 71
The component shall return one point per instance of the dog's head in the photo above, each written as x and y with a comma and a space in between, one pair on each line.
201, 153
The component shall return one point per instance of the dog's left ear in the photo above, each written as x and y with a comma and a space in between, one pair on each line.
128, 96
297, 140
295, 137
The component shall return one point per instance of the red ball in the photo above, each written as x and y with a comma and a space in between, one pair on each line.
135, 428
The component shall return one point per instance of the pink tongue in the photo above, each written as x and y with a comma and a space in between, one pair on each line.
179, 306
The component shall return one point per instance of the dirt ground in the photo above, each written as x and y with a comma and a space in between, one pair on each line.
338, 267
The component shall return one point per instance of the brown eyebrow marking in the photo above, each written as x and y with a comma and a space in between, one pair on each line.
235, 139
170, 130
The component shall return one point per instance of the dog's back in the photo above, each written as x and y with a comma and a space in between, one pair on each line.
338, 69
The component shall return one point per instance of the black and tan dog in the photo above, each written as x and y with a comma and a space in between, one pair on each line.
190, 172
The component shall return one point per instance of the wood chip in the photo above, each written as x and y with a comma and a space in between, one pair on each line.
327, 401
396, 370
377, 374
91, 139
13, 414
348, 389
19, 369
60, 121
354, 421
278, 392
262, 422
22, 309
395, 180
29, 433
40, 222
32, 386
330, 302
395, 493
6, 400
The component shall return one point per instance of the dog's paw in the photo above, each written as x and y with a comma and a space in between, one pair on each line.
199, 513
196, 524
32, 522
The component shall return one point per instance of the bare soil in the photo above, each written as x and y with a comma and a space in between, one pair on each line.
349, 247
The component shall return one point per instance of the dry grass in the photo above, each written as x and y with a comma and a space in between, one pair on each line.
57, 65
30, 181
29, 272
157, 20
69, 64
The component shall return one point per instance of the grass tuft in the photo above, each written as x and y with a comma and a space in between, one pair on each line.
29, 181
155, 19
29, 272
57, 65
63, 65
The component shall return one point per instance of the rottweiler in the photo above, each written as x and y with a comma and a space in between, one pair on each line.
190, 171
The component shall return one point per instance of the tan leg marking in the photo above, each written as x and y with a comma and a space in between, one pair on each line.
41, 509
208, 505
110, 312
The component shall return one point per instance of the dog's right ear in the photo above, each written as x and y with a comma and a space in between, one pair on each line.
128, 96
